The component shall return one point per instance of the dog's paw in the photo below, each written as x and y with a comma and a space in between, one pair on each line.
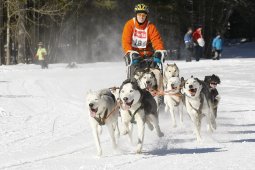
124, 132
160, 134
99, 153
139, 150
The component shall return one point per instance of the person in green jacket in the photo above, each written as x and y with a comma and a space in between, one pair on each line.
41, 55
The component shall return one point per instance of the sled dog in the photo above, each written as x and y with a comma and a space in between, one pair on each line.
147, 80
171, 70
212, 82
198, 104
140, 108
103, 110
173, 99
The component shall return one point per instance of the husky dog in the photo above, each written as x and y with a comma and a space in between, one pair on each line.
141, 108
171, 70
212, 82
123, 114
147, 80
198, 104
173, 98
103, 110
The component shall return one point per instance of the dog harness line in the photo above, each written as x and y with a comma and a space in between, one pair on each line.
133, 116
101, 121
199, 110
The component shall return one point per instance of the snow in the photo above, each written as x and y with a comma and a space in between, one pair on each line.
44, 120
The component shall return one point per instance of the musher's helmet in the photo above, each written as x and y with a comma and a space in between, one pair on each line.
141, 8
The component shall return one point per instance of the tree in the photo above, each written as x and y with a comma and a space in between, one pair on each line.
18, 16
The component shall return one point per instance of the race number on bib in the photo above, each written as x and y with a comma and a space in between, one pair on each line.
139, 38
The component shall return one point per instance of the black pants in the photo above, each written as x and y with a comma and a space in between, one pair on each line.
43, 64
188, 54
198, 52
217, 54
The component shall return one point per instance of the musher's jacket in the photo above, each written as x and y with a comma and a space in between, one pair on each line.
142, 38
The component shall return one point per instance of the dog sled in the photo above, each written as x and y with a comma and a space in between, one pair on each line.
145, 62
148, 71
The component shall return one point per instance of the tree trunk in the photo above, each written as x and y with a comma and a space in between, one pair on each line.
8, 36
21, 35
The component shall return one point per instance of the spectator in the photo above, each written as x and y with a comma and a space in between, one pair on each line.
217, 46
41, 55
199, 42
189, 45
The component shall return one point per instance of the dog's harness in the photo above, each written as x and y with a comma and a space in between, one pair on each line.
101, 121
199, 110
133, 116
163, 93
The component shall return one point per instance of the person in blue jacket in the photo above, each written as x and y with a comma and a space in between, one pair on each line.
189, 45
217, 47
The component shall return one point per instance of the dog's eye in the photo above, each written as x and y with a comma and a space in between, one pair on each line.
122, 91
131, 91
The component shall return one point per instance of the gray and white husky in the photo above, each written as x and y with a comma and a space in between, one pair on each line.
147, 79
103, 110
140, 108
198, 104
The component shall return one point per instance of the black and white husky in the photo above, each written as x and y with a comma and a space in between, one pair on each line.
198, 104
212, 82
103, 110
140, 108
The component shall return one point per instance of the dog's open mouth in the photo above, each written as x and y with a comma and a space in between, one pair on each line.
193, 91
127, 105
174, 88
148, 86
93, 112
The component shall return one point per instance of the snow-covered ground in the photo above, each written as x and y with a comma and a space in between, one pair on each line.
44, 120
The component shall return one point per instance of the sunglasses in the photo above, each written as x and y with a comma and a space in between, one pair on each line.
141, 14
213, 83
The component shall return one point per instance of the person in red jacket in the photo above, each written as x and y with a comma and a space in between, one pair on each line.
140, 38
199, 42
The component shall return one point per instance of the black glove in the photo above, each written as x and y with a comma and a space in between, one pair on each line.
157, 57
135, 58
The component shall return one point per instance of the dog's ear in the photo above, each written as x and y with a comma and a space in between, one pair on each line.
125, 82
153, 75
198, 80
182, 82
134, 84
88, 92
191, 76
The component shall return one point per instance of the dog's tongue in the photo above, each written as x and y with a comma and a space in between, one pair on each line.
125, 106
92, 114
